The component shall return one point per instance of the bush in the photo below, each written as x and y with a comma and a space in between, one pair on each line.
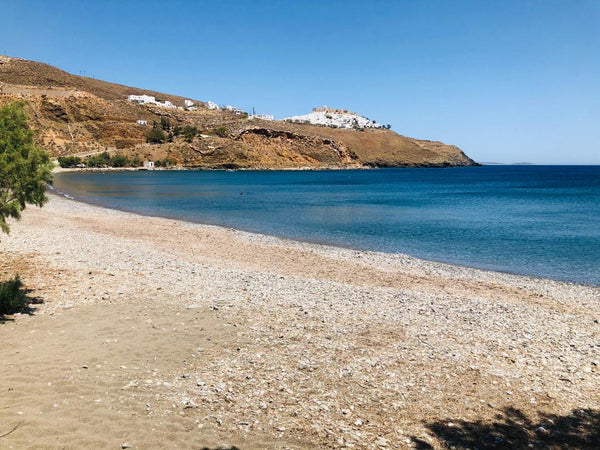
165, 123
189, 133
167, 162
69, 161
222, 131
101, 160
156, 136
12, 296
119, 161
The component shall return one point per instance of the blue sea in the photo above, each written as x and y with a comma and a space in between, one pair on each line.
534, 220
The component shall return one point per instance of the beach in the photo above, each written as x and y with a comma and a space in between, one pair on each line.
155, 333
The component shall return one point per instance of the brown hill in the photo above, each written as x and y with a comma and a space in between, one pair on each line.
76, 115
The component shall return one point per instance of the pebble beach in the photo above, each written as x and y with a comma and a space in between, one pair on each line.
154, 333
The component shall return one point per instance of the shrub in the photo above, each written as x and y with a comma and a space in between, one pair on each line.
119, 161
167, 162
156, 136
222, 131
189, 133
165, 123
69, 161
101, 160
12, 296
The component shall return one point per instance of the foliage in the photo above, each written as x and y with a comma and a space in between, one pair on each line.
24, 168
156, 136
119, 161
167, 162
12, 296
136, 161
189, 132
101, 160
222, 131
165, 123
69, 161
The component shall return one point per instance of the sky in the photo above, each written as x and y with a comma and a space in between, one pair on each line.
506, 81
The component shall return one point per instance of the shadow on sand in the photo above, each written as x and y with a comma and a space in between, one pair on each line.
28, 307
512, 429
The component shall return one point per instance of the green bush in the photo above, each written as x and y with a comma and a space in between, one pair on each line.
101, 160
119, 161
189, 133
69, 161
12, 296
222, 131
167, 162
156, 136
165, 123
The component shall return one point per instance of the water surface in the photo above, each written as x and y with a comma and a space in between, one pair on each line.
533, 220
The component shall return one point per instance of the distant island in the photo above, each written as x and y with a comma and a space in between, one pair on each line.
89, 122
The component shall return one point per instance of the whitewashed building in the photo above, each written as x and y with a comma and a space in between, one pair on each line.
142, 122
142, 98
233, 109
262, 116
149, 164
212, 105
188, 103
149, 100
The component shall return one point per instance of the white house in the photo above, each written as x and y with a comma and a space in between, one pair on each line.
233, 109
188, 103
149, 100
149, 164
142, 98
142, 122
212, 105
262, 116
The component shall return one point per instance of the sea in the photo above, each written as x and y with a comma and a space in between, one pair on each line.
542, 221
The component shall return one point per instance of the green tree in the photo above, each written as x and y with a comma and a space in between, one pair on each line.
119, 161
24, 168
156, 136
165, 123
69, 161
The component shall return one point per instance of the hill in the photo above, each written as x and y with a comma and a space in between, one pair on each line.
76, 115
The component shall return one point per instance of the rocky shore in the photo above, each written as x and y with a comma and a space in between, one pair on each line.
155, 333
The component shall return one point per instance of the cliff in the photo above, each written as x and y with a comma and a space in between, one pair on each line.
74, 115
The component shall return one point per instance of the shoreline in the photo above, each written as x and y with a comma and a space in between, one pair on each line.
155, 332
288, 240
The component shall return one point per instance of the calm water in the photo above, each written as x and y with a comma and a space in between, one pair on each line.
534, 220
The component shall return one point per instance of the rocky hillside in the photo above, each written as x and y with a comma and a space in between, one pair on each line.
75, 115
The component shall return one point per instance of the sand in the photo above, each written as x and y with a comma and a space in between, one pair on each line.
155, 333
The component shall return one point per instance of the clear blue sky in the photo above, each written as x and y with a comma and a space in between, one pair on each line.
506, 81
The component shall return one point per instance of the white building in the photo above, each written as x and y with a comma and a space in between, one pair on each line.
233, 109
262, 116
188, 103
212, 105
149, 164
142, 98
142, 122
149, 100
